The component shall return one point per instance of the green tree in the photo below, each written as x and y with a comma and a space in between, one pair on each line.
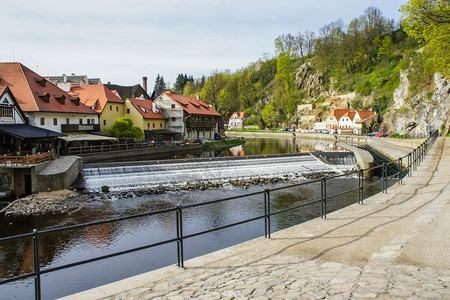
159, 83
428, 21
211, 90
124, 129
285, 71
386, 49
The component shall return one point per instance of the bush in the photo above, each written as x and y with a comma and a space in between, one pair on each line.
105, 189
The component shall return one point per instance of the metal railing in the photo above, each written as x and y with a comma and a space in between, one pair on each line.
406, 166
25, 160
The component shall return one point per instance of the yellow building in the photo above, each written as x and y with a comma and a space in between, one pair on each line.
99, 98
144, 115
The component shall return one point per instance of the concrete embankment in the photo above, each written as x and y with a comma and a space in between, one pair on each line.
392, 246
363, 158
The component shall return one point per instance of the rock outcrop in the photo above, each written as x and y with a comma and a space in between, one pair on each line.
310, 80
410, 115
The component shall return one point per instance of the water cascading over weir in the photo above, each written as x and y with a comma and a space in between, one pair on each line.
146, 175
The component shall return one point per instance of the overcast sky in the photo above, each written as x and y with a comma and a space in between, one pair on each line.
121, 41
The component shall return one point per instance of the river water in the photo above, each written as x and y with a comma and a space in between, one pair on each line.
74, 245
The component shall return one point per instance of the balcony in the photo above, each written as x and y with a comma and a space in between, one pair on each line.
79, 127
199, 124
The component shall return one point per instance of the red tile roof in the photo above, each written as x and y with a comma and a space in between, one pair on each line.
192, 105
366, 115
95, 96
34, 93
240, 115
350, 114
338, 113
145, 108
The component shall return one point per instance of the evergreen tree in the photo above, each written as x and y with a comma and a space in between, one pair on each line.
159, 83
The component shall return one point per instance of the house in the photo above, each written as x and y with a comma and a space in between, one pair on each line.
237, 120
190, 117
102, 100
44, 104
144, 115
16, 136
363, 121
66, 82
347, 121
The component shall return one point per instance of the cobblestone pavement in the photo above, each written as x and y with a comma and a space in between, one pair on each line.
395, 246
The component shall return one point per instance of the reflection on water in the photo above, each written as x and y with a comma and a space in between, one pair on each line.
74, 245
264, 146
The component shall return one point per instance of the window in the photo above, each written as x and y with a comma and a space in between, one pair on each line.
148, 125
42, 121
104, 122
110, 107
173, 105
55, 121
172, 119
128, 110
81, 121
153, 125
89, 121
160, 125
93, 121
67, 121
117, 108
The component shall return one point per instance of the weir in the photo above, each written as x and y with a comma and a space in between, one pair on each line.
135, 176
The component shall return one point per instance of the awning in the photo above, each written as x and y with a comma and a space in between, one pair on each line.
25, 131
86, 137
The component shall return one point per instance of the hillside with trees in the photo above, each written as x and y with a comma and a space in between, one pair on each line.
362, 65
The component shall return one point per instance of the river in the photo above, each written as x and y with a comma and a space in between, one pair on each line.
74, 245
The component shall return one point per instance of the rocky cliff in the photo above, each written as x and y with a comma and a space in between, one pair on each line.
411, 114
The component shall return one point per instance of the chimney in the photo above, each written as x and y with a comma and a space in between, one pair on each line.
144, 83
197, 96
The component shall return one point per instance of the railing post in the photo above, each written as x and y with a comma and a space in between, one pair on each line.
384, 180
399, 170
324, 197
359, 186
36, 266
267, 212
409, 164
180, 246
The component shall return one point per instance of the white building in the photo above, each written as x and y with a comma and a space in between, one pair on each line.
237, 120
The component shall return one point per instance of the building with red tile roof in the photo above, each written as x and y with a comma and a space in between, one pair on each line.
350, 121
102, 100
236, 120
144, 114
43, 103
191, 117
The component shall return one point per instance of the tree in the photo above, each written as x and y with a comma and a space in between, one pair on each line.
159, 83
428, 21
285, 71
212, 88
124, 130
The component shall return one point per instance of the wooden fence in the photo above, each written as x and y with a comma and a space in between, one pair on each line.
25, 160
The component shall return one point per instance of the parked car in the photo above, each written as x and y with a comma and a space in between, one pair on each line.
378, 134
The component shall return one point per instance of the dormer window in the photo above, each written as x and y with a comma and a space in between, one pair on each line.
75, 101
41, 81
61, 99
45, 97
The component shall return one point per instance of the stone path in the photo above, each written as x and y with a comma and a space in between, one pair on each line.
396, 245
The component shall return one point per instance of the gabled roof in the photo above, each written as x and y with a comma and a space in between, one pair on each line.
192, 105
5, 90
366, 115
35, 94
240, 115
74, 79
145, 108
350, 114
338, 113
126, 92
95, 96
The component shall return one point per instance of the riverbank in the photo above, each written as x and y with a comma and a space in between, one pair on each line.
55, 202
390, 247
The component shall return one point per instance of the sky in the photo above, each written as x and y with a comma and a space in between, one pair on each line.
122, 41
